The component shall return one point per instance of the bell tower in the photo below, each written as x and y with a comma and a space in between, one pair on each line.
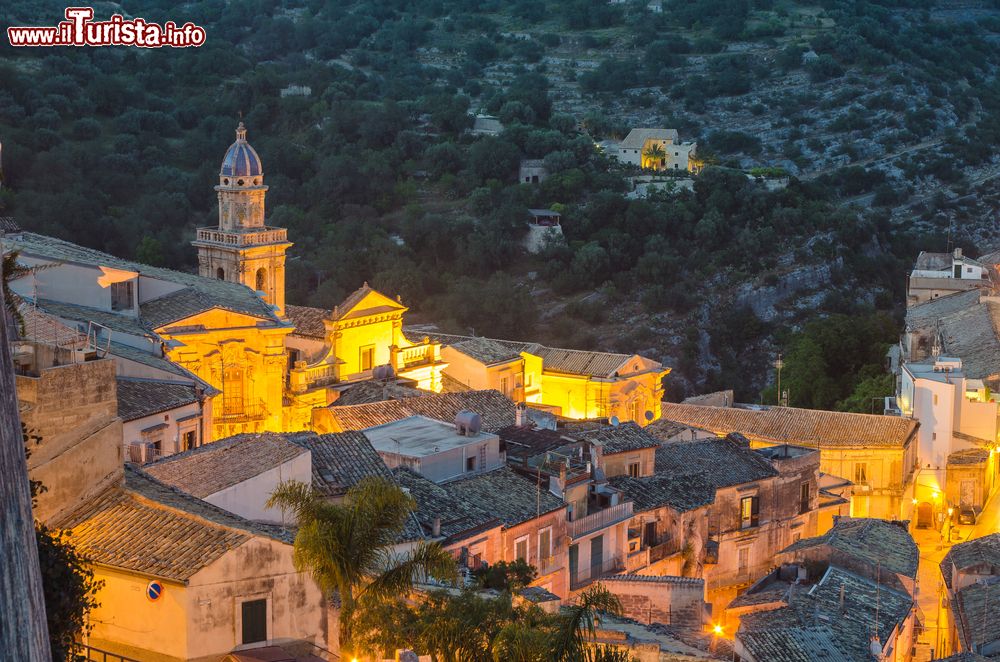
242, 248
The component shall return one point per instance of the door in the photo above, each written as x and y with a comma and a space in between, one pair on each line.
649, 537
596, 556
574, 563
925, 515
968, 494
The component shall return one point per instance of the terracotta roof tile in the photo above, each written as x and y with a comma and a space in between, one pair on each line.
871, 540
981, 553
726, 462
147, 527
681, 493
208, 469
495, 409
341, 460
142, 397
308, 321
804, 427
621, 438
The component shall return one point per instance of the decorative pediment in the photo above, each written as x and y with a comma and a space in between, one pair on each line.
366, 302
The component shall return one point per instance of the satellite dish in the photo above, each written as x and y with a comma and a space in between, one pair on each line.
649, 415
614, 421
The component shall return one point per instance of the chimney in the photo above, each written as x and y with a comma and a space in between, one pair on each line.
520, 415
841, 609
436, 532
958, 253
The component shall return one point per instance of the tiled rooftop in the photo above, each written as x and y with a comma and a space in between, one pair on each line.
927, 314
495, 409
207, 292
803, 427
980, 553
726, 462
621, 438
499, 497
682, 493
526, 441
340, 461
142, 397
308, 321
968, 456
554, 359
815, 620
971, 335
873, 541
147, 527
208, 469
977, 616
372, 390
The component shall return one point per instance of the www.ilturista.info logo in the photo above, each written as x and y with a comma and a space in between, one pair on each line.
79, 29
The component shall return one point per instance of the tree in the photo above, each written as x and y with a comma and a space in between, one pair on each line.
349, 547
651, 156
11, 271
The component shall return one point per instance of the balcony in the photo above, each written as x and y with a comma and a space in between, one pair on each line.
583, 576
263, 236
241, 412
602, 519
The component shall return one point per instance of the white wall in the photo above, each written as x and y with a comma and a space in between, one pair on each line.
450, 463
247, 499
936, 418
171, 435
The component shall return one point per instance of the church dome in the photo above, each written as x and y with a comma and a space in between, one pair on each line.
241, 159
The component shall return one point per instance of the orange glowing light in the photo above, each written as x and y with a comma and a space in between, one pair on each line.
717, 629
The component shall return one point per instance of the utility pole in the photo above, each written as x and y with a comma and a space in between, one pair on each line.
778, 365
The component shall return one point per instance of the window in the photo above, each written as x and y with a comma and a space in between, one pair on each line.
122, 295
367, 358
261, 279
188, 440
861, 473
804, 498
749, 512
743, 558
935, 398
503, 386
254, 621
470, 464
544, 544
232, 390
521, 548
633, 469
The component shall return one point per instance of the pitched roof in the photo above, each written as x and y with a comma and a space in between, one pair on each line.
142, 397
486, 350
211, 468
726, 462
308, 321
495, 409
979, 553
526, 441
927, 313
498, 497
83, 314
682, 493
968, 456
147, 527
185, 303
873, 541
977, 617
637, 138
207, 292
554, 359
374, 391
349, 307
803, 427
341, 460
805, 625
971, 335
621, 438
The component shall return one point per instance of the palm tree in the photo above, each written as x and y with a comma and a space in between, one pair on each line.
350, 547
652, 155
578, 624
11, 271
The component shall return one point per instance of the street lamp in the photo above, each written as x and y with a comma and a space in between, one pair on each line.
778, 365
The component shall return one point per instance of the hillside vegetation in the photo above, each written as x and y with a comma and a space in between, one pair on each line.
884, 113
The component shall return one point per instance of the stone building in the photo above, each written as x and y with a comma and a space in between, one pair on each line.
940, 274
656, 149
570, 383
185, 580
971, 574
765, 499
878, 454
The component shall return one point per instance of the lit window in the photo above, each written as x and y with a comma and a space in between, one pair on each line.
367, 358
749, 512
861, 473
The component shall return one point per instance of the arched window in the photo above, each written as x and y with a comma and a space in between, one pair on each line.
220, 273
261, 279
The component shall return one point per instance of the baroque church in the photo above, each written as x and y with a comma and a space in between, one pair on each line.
258, 364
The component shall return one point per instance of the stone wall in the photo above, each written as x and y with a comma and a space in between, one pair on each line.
669, 600
72, 410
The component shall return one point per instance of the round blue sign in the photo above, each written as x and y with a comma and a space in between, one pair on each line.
154, 590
